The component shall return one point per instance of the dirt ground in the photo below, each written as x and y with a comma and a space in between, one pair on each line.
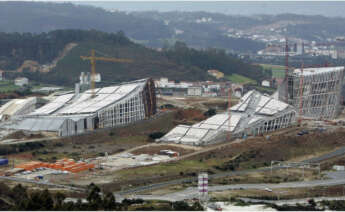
280, 176
96, 144
249, 154
201, 103
151, 150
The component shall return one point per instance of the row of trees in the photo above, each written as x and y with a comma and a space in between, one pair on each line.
20, 198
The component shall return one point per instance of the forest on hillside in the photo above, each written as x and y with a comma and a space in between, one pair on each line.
178, 62
37, 17
156, 29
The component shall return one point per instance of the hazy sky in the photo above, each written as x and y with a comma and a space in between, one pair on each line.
326, 8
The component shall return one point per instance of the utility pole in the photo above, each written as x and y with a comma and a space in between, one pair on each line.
229, 112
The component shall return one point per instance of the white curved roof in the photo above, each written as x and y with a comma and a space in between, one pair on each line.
252, 108
84, 103
54, 105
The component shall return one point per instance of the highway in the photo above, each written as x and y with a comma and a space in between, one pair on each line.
336, 178
338, 152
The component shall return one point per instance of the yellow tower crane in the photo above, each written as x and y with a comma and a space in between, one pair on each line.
93, 60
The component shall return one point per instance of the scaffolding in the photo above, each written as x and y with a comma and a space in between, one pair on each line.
138, 105
316, 91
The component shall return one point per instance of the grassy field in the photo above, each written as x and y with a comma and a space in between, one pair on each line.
271, 66
282, 193
236, 78
8, 86
278, 176
265, 89
93, 145
250, 154
278, 71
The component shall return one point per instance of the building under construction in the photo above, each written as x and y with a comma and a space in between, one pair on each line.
314, 92
75, 113
255, 114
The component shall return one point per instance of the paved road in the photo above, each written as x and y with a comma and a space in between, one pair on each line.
338, 152
192, 192
41, 183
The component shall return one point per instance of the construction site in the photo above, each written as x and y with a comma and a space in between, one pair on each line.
316, 91
110, 135
255, 114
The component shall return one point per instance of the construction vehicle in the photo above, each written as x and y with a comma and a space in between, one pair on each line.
93, 60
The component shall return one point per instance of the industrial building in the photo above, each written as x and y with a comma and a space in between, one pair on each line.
314, 92
75, 113
255, 114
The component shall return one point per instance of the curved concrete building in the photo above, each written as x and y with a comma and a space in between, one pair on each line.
75, 113
254, 114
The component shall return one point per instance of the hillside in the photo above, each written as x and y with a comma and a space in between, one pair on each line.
37, 17
157, 29
177, 63
211, 26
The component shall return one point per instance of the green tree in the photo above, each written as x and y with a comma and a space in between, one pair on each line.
47, 202
197, 207
94, 198
210, 112
109, 202
59, 200
181, 206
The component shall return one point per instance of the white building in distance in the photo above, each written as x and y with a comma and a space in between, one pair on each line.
265, 83
194, 91
21, 81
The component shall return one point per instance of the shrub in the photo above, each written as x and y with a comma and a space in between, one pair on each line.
60, 144
156, 135
210, 112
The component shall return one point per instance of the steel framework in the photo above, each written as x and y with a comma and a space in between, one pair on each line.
316, 91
